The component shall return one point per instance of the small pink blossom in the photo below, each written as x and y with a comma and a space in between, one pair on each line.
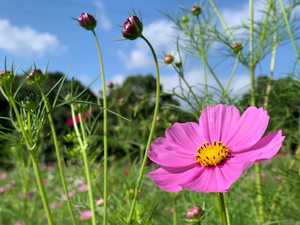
45, 181
100, 202
83, 188
86, 215
211, 155
121, 100
2, 189
81, 182
17, 223
71, 193
3, 176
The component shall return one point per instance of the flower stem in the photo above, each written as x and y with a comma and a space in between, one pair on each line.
174, 198
289, 29
104, 132
139, 181
31, 147
222, 20
231, 76
225, 217
253, 103
58, 156
87, 169
203, 60
40, 185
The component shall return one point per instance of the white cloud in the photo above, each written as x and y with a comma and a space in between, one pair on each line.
27, 42
160, 34
102, 19
118, 79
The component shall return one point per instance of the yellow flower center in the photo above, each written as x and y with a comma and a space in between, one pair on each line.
211, 155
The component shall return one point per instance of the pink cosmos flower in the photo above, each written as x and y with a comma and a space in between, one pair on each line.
211, 156
3, 176
83, 188
84, 116
85, 215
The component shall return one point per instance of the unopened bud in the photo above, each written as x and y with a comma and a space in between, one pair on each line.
87, 21
132, 28
237, 47
110, 84
6, 77
185, 20
196, 10
168, 59
35, 76
194, 213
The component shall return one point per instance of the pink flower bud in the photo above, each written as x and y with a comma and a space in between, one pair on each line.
132, 28
168, 59
196, 10
194, 213
87, 21
6, 77
110, 84
35, 76
236, 47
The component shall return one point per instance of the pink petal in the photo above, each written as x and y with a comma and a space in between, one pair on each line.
168, 179
186, 136
163, 154
216, 179
264, 149
217, 122
248, 131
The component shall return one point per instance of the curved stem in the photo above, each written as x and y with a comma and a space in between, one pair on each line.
104, 132
174, 198
139, 181
58, 156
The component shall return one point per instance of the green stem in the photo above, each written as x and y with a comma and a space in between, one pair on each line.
231, 76
253, 103
289, 29
274, 48
87, 170
174, 198
41, 185
203, 61
263, 33
31, 147
139, 181
104, 132
223, 210
222, 20
58, 156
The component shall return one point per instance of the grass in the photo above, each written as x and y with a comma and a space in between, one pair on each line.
18, 203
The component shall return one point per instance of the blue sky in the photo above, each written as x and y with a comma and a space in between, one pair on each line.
38, 31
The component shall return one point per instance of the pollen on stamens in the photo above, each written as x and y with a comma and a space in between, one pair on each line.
212, 155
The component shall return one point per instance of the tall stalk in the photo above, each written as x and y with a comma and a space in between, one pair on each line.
83, 145
55, 140
139, 181
257, 166
104, 131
